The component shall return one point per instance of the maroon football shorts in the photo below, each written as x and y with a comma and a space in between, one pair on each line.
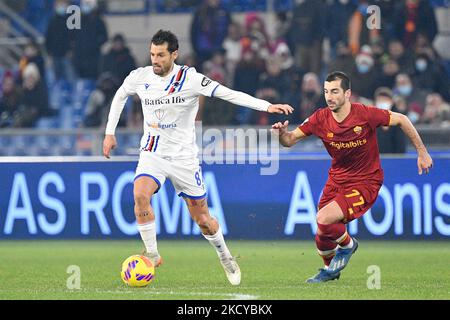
354, 200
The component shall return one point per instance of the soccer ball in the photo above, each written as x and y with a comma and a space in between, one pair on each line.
137, 271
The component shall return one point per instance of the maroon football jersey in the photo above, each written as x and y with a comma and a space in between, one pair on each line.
352, 143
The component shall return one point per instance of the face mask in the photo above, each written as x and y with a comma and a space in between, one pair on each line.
287, 63
60, 10
413, 116
421, 65
310, 94
384, 105
404, 90
363, 68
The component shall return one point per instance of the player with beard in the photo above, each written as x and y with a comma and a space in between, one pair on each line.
348, 132
169, 94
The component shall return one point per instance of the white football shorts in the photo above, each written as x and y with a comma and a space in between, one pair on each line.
185, 175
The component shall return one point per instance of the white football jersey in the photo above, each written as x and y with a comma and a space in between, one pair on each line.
170, 106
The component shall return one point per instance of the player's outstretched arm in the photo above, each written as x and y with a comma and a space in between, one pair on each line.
424, 161
287, 138
117, 105
246, 100
109, 143
280, 109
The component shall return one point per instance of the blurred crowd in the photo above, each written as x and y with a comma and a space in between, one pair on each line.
394, 67
317, 37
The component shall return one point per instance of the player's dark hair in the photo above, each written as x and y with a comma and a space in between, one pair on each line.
163, 36
339, 75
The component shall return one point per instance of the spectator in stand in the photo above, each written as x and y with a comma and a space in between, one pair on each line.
189, 60
99, 101
232, 43
400, 103
388, 18
389, 71
312, 96
292, 73
208, 29
282, 24
255, 32
216, 67
214, 111
338, 13
428, 76
378, 52
344, 60
413, 17
34, 102
272, 85
364, 76
135, 117
358, 33
288, 67
10, 101
423, 46
33, 54
119, 61
308, 99
246, 77
306, 33
233, 49
390, 139
405, 59
59, 43
437, 111
413, 96
88, 41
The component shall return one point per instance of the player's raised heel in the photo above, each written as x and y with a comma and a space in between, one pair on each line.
156, 259
323, 276
342, 257
232, 270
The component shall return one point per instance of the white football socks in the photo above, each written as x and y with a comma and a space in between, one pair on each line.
218, 242
348, 246
148, 235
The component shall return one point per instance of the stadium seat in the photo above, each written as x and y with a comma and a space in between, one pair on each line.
134, 141
5, 141
66, 146
47, 123
5, 144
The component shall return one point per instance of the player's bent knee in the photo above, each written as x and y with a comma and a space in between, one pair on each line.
320, 218
142, 199
202, 220
329, 214
324, 217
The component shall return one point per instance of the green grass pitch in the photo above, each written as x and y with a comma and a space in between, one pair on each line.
274, 270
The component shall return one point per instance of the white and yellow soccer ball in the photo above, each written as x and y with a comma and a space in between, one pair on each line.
137, 271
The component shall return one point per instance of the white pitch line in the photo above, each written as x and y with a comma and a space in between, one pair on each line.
232, 296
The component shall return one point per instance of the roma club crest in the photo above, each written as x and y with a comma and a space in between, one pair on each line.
357, 130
